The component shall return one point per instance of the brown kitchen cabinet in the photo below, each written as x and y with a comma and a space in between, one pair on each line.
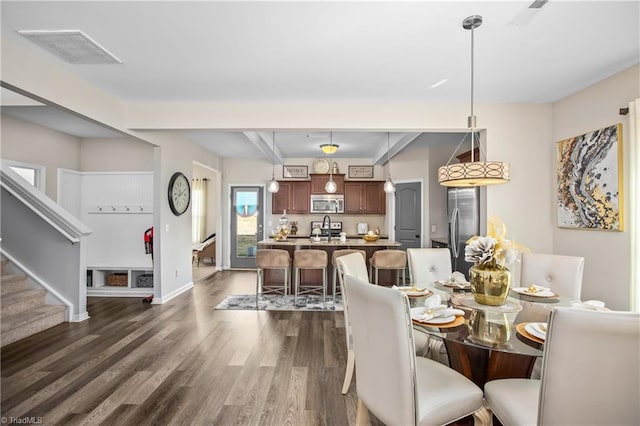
292, 197
319, 180
364, 197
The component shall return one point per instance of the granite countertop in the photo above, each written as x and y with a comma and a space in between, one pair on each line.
335, 242
349, 237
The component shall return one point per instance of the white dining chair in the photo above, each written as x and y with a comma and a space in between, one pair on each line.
590, 374
427, 265
395, 385
334, 257
352, 264
563, 274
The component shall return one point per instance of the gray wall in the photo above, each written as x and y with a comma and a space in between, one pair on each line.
44, 251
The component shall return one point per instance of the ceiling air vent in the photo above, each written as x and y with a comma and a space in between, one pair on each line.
71, 46
537, 4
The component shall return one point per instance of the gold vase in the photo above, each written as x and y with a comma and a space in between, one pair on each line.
490, 283
489, 327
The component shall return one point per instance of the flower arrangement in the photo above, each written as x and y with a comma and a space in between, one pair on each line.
493, 250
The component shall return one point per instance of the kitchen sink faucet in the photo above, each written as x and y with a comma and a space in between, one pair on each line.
324, 220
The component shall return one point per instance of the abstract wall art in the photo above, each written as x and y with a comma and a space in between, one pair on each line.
590, 180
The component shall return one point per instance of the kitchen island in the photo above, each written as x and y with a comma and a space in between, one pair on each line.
355, 243
315, 277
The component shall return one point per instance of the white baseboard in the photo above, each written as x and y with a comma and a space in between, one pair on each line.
173, 294
80, 317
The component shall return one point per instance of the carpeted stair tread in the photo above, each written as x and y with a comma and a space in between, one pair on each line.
23, 308
31, 316
12, 282
25, 324
22, 300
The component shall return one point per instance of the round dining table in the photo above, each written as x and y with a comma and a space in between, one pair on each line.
491, 341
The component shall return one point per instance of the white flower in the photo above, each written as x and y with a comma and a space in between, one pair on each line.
480, 250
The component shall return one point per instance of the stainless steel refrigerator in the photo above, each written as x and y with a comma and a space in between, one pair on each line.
463, 209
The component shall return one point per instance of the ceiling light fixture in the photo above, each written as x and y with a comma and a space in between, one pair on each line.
329, 148
331, 187
273, 186
473, 173
389, 186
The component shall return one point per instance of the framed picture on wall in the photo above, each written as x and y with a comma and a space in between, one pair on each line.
296, 172
589, 181
360, 172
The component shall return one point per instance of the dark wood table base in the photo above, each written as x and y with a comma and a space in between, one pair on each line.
483, 364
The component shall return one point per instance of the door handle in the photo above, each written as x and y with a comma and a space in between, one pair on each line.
417, 236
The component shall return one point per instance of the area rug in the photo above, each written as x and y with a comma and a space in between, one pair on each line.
276, 302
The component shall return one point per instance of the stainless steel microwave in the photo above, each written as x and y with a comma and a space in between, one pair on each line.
327, 203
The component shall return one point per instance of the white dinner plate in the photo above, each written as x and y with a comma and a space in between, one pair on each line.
540, 293
533, 328
417, 312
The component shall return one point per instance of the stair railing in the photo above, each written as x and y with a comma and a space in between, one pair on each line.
43, 206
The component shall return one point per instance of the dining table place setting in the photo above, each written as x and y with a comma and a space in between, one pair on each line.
435, 313
413, 291
456, 281
534, 290
535, 331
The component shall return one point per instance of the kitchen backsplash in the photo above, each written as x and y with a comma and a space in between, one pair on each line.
349, 222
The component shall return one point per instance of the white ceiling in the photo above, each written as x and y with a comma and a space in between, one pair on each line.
335, 52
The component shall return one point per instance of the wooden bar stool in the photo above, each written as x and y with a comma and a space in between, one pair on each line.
336, 254
310, 259
272, 259
388, 259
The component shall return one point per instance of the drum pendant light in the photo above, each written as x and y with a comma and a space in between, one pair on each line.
273, 186
389, 186
331, 187
473, 173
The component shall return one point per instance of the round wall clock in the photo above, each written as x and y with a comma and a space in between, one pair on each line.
179, 193
321, 166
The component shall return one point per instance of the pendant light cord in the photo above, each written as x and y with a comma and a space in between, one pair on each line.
273, 157
472, 118
388, 159
331, 165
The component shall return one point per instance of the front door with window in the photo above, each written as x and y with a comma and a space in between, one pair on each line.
246, 225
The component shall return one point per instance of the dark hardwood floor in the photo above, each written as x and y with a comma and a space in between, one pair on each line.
182, 362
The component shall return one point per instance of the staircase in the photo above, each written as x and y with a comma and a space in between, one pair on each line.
24, 311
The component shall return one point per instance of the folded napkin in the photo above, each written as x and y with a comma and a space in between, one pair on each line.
456, 279
537, 329
433, 308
